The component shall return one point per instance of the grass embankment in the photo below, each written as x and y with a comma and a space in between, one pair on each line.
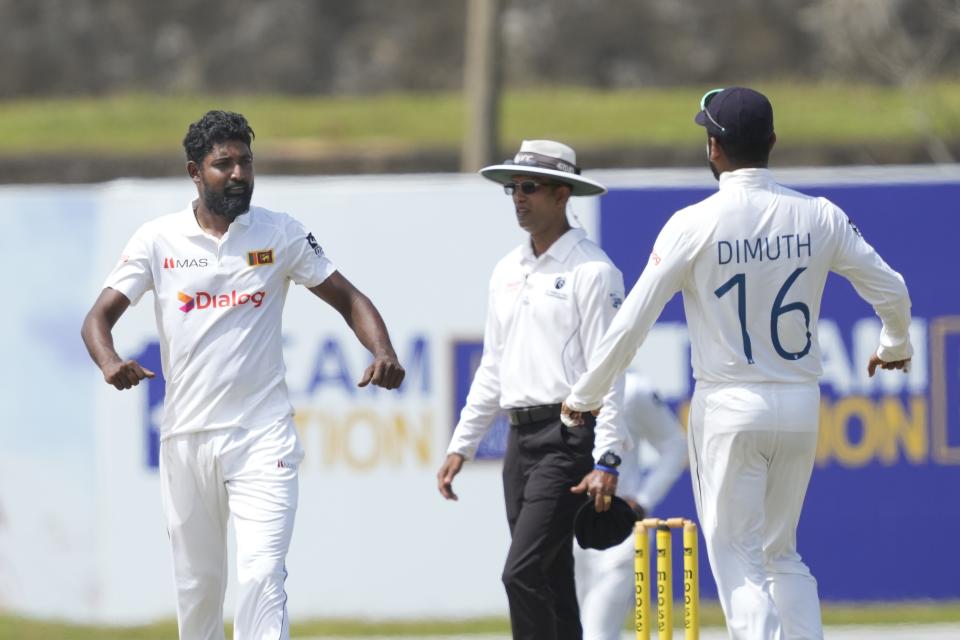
833, 114
13, 628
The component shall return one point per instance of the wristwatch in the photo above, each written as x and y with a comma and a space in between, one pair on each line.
609, 459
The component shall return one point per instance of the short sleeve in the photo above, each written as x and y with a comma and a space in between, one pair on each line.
308, 264
133, 275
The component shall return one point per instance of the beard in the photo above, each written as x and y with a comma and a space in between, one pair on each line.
713, 167
228, 206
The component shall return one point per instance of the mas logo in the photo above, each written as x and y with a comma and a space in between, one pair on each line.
185, 263
205, 300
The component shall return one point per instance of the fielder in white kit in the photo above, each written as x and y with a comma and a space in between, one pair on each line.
220, 270
751, 262
605, 579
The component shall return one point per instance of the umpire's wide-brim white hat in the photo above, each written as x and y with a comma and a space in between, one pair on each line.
545, 158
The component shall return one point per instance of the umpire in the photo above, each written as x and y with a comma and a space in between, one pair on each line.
550, 301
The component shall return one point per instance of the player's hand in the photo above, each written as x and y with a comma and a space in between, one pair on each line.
875, 362
385, 372
573, 418
451, 467
124, 375
599, 485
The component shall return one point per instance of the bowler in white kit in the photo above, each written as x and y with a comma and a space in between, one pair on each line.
751, 261
219, 270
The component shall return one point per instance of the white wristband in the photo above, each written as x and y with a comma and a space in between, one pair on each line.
570, 421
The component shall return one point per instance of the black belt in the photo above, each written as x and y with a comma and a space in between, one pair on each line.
528, 415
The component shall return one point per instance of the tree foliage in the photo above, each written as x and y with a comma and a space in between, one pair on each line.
333, 47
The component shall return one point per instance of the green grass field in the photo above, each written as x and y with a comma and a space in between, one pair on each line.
149, 124
14, 628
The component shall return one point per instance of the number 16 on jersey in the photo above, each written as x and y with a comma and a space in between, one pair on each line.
740, 282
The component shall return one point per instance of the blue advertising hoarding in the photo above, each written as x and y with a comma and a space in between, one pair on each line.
880, 503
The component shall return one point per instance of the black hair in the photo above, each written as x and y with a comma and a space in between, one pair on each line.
746, 153
215, 127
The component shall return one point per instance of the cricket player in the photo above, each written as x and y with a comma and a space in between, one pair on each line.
751, 261
605, 579
219, 270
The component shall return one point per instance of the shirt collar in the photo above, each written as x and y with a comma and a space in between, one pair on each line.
191, 227
559, 250
754, 177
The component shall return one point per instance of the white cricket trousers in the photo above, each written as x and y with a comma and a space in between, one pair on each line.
251, 475
752, 447
605, 589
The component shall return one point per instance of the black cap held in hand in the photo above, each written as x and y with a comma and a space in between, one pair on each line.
602, 530
737, 113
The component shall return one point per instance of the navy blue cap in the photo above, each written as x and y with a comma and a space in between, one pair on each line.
603, 529
737, 113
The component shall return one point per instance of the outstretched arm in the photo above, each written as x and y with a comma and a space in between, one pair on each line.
367, 324
97, 336
674, 251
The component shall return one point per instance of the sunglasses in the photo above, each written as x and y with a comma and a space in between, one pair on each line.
705, 102
527, 187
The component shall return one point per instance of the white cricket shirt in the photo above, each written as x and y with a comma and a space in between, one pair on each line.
545, 315
751, 261
218, 304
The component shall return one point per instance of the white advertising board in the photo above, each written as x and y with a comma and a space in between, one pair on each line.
81, 529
